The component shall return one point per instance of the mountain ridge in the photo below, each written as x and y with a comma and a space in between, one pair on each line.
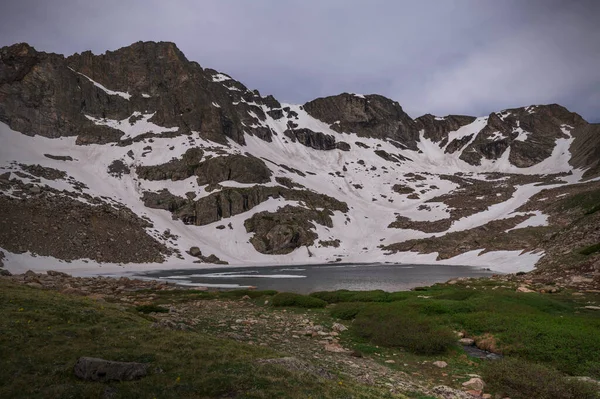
142, 108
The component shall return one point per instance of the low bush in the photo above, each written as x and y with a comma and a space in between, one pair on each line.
290, 299
360, 296
385, 326
346, 311
592, 249
151, 309
251, 293
523, 380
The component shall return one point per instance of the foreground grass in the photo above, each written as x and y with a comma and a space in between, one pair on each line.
554, 330
43, 333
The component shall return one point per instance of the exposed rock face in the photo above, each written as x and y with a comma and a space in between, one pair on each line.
239, 168
48, 94
316, 140
367, 116
102, 233
586, 149
285, 230
233, 201
437, 129
542, 124
40, 95
176, 169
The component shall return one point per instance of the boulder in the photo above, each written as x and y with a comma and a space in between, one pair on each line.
95, 369
195, 251
524, 289
441, 364
475, 384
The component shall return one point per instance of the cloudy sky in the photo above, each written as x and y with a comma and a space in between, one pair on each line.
433, 56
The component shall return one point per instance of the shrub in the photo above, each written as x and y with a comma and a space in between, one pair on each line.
520, 380
351, 296
360, 296
290, 299
347, 311
592, 249
251, 293
387, 327
151, 309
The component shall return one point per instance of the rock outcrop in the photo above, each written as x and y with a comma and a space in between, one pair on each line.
368, 116
288, 228
234, 201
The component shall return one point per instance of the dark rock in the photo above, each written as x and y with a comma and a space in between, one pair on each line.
233, 201
342, 145
275, 113
118, 168
94, 369
368, 116
54, 273
402, 189
44, 172
314, 140
437, 129
287, 182
59, 157
288, 228
176, 169
390, 157
195, 251
239, 168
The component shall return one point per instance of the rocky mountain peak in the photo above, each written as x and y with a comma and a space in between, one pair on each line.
366, 115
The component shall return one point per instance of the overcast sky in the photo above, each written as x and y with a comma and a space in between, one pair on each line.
444, 56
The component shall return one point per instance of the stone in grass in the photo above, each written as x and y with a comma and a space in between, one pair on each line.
475, 384
440, 363
94, 369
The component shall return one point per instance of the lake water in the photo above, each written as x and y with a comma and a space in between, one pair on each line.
329, 277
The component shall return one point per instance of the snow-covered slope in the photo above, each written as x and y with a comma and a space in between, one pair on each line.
432, 184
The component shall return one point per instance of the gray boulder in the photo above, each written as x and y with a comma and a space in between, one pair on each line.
94, 369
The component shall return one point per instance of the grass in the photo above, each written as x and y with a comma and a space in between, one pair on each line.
360, 296
383, 325
523, 380
297, 300
43, 334
588, 201
543, 336
541, 328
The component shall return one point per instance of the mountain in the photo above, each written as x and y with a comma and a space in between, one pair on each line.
139, 158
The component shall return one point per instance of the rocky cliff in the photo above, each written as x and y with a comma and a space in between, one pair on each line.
178, 156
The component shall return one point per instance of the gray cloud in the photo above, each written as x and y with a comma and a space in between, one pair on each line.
461, 56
